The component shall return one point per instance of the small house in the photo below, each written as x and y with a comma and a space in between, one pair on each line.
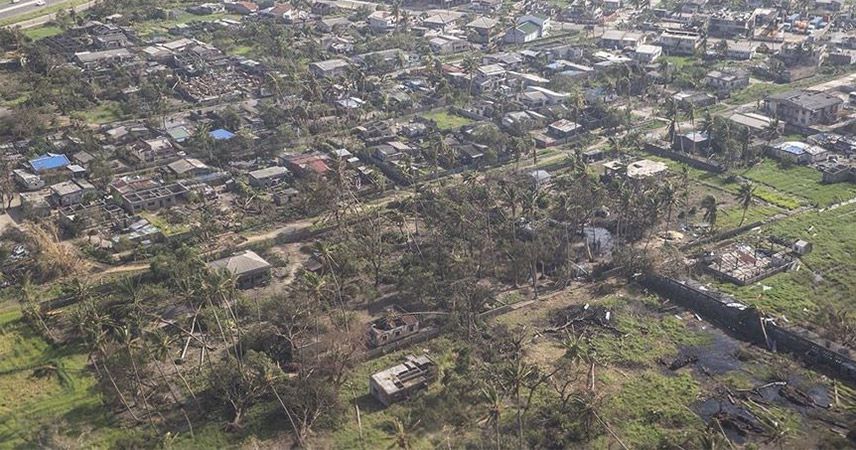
248, 268
399, 382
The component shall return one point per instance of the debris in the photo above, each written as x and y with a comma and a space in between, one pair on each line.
683, 360
796, 396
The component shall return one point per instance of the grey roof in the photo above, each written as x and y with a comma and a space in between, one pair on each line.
807, 99
242, 263
268, 172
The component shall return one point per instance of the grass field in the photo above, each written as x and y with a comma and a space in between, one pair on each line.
800, 181
29, 403
42, 32
730, 217
827, 277
105, 112
162, 26
446, 120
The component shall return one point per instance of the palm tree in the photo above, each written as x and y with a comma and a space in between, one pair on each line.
669, 199
744, 197
471, 66
493, 416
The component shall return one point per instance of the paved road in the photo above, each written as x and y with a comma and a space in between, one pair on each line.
9, 9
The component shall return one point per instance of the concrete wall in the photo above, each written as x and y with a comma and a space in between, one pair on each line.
749, 325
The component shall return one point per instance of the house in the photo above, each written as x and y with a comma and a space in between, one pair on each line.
381, 21
481, 30
441, 21
188, 168
694, 141
677, 42
486, 6
695, 99
48, 164
331, 68
563, 129
286, 13
400, 382
527, 29
395, 325
728, 24
27, 180
522, 120
102, 59
447, 44
637, 170
147, 151
70, 192
489, 77
243, 8
727, 81
740, 50
137, 193
804, 108
522, 33
221, 135
307, 163
620, 39
646, 53
248, 268
267, 177
540, 178
798, 152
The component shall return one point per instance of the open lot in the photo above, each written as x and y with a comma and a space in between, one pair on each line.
800, 181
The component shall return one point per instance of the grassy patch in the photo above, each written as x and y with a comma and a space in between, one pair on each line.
828, 275
730, 217
162, 26
652, 411
776, 198
800, 181
104, 112
42, 32
446, 120
30, 402
756, 91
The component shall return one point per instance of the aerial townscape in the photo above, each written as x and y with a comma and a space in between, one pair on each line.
428, 224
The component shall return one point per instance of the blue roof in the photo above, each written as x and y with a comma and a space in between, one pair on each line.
49, 162
222, 135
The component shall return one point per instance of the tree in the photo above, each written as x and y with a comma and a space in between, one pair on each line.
744, 197
708, 203
241, 385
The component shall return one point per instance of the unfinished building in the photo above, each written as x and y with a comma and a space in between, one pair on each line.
396, 324
399, 382
744, 264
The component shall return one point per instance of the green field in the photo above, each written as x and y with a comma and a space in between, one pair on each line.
29, 403
730, 217
42, 32
446, 120
800, 181
827, 277
150, 27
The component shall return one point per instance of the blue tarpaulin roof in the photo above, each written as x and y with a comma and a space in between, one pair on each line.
222, 135
49, 162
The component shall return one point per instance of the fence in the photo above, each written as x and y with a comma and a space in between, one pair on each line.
692, 161
748, 324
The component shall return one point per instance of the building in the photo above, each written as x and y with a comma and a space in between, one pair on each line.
676, 42
331, 68
694, 141
267, 177
727, 81
447, 44
527, 29
399, 382
49, 163
70, 192
243, 8
637, 170
137, 194
740, 50
381, 21
798, 152
563, 129
393, 326
102, 59
646, 53
481, 30
27, 180
248, 268
804, 108
620, 39
147, 151
728, 24
188, 168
